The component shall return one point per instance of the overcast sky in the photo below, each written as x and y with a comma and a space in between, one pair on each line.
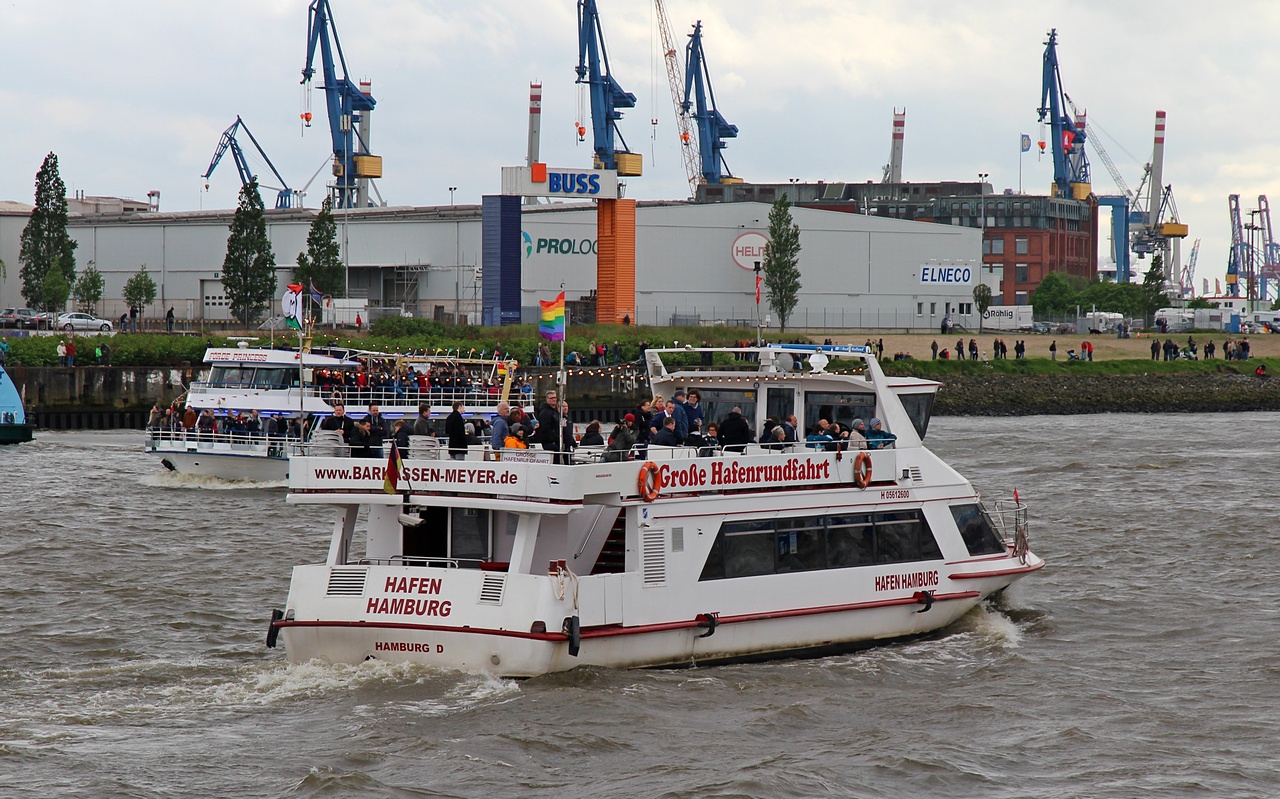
133, 95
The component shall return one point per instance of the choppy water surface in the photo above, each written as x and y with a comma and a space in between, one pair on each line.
1141, 662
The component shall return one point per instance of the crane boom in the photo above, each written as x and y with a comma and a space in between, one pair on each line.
607, 95
713, 128
348, 107
1070, 165
675, 81
285, 198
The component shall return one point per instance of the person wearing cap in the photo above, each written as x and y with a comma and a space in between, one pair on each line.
622, 439
877, 436
681, 417
858, 435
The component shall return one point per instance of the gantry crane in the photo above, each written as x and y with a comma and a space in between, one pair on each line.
1189, 272
1238, 259
675, 82
348, 106
1269, 272
713, 128
1070, 164
285, 197
607, 95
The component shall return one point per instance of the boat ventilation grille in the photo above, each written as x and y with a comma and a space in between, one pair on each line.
653, 557
492, 588
916, 476
346, 582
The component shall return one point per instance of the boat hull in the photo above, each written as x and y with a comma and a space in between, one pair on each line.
16, 433
464, 640
226, 466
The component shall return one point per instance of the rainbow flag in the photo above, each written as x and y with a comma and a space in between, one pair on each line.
392, 473
552, 325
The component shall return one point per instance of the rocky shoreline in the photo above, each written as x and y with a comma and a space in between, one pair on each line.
1026, 395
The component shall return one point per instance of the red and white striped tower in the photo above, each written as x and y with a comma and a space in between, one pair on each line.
535, 131
364, 145
895, 152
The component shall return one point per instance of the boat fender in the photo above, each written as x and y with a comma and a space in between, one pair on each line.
710, 621
273, 631
168, 465
924, 598
862, 470
573, 629
650, 481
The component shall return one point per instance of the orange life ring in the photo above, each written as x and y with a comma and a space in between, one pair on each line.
862, 470
650, 481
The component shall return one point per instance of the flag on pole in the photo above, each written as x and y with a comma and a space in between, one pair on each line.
759, 280
1026, 143
552, 324
291, 305
394, 467
316, 295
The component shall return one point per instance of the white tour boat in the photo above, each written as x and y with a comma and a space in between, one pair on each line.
290, 388
518, 566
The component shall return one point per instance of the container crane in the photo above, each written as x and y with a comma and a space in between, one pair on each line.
285, 198
1070, 164
675, 82
348, 107
607, 95
713, 128
1238, 259
1269, 273
1189, 272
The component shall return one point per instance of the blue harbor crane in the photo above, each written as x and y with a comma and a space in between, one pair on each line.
285, 198
348, 107
607, 96
1070, 164
713, 128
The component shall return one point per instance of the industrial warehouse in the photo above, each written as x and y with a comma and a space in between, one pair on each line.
694, 263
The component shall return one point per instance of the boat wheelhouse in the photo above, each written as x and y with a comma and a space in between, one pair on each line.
14, 427
513, 564
289, 388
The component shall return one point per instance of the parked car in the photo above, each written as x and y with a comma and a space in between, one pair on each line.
82, 321
23, 317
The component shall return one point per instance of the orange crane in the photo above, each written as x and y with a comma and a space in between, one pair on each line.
684, 124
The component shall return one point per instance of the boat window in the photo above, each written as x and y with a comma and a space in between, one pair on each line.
281, 377
780, 402
469, 535
231, 376
811, 543
838, 406
801, 545
716, 404
748, 552
919, 408
976, 529
850, 541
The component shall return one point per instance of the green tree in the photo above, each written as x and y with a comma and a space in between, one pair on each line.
249, 269
321, 264
140, 291
982, 298
781, 261
1154, 296
88, 289
1054, 296
46, 245
1201, 302
54, 291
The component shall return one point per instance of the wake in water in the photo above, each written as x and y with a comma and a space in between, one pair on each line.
169, 479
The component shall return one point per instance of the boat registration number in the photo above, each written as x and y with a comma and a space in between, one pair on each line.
896, 493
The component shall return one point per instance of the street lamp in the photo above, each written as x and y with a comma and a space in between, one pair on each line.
452, 189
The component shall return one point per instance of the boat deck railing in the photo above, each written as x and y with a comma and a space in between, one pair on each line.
328, 444
161, 439
360, 396
1010, 519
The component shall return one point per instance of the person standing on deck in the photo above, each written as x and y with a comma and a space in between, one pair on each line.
456, 429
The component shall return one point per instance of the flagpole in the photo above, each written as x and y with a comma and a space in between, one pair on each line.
562, 379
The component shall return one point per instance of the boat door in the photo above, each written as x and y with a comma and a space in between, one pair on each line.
780, 402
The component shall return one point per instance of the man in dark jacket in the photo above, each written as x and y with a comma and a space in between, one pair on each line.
682, 418
735, 433
549, 424
666, 437
456, 429
379, 429
422, 425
